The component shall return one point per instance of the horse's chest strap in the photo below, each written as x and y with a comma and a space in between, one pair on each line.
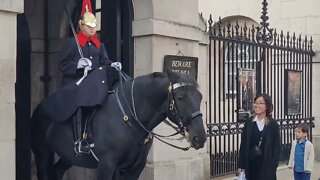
125, 116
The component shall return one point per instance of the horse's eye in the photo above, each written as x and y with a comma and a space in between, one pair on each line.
179, 97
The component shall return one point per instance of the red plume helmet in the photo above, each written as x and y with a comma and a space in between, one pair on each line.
87, 17
86, 7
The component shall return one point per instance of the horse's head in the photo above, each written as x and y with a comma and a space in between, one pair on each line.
184, 108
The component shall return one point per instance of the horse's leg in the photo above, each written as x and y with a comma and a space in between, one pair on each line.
106, 169
43, 157
134, 174
60, 168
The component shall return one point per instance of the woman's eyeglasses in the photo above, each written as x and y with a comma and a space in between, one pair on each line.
258, 103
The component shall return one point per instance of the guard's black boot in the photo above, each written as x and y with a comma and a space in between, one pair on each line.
82, 147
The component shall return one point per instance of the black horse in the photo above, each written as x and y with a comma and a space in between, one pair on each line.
121, 144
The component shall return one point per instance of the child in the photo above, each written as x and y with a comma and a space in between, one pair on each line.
302, 154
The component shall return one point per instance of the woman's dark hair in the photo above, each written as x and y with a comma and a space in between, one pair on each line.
268, 102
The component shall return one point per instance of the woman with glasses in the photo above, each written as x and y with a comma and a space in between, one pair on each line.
260, 142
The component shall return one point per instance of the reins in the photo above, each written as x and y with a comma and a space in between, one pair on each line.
181, 129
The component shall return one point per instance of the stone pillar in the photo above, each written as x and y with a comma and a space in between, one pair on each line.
312, 30
166, 27
8, 38
316, 102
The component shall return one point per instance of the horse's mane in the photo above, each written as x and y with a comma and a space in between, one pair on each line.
175, 77
184, 78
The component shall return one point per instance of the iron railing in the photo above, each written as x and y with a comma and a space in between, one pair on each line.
278, 60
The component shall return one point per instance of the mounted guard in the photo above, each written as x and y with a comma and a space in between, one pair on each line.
85, 66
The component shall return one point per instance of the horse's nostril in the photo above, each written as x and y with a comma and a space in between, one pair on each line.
197, 142
196, 139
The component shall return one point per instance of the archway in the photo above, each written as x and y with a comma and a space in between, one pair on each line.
116, 31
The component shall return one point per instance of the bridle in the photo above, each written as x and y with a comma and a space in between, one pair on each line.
172, 114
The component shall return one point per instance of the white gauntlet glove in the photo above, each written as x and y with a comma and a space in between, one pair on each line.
116, 65
84, 62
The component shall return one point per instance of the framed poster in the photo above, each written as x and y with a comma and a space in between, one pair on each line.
247, 92
292, 91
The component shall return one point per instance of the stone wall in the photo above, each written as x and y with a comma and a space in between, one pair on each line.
8, 14
160, 29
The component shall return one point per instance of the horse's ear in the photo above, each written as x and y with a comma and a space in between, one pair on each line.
158, 75
173, 77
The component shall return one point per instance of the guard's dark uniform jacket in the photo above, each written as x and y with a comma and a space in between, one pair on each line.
93, 50
91, 91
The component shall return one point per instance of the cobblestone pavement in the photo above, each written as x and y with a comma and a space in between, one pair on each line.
283, 173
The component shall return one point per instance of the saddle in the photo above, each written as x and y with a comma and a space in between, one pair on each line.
83, 118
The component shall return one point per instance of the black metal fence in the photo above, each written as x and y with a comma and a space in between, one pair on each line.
282, 67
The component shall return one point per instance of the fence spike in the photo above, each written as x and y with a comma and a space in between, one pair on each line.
288, 39
232, 31
275, 37
210, 23
237, 29
249, 35
281, 39
305, 43
219, 24
253, 33
299, 41
311, 42
294, 40
228, 29
245, 30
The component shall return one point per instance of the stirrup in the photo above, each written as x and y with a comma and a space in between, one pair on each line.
82, 147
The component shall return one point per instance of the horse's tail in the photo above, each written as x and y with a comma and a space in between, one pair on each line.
44, 157
35, 115
35, 125
39, 125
